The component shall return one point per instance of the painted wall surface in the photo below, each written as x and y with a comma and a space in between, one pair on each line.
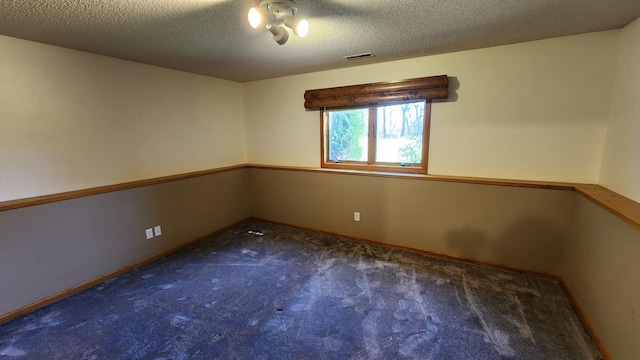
72, 120
538, 111
50, 248
621, 160
602, 269
518, 227
535, 110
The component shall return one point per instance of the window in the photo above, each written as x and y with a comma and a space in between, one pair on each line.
380, 138
377, 127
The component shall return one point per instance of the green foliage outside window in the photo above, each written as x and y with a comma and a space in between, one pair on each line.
411, 152
345, 130
398, 138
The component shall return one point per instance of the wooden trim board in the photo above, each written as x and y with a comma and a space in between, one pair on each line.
44, 199
422, 252
426, 88
458, 179
626, 209
576, 305
53, 298
585, 321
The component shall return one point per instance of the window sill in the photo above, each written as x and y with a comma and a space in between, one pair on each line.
378, 168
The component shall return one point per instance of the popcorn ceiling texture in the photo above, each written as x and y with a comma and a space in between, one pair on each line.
213, 37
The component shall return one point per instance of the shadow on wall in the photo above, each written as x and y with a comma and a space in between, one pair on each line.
529, 243
467, 242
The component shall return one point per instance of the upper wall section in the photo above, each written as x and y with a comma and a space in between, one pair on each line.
620, 165
71, 120
533, 110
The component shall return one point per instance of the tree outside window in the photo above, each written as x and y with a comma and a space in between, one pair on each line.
387, 138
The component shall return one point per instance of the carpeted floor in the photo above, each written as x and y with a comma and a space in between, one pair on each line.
262, 291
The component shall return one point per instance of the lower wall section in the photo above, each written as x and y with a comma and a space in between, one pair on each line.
49, 248
602, 270
518, 227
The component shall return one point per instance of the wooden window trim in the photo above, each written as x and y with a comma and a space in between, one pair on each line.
371, 96
426, 133
373, 136
383, 93
371, 165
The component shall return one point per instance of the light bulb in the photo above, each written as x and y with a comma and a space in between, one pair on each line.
299, 27
255, 18
303, 28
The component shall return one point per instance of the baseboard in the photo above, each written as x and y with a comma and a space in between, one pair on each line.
53, 298
424, 252
581, 314
585, 321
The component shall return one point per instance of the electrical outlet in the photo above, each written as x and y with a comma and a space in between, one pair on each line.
356, 216
157, 230
149, 233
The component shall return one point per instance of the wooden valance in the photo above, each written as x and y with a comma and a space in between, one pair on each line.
426, 88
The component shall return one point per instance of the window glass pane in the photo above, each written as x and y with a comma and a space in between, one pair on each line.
348, 133
399, 133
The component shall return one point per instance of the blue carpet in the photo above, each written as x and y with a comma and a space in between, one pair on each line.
263, 291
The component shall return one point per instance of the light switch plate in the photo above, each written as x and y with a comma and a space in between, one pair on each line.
157, 230
149, 233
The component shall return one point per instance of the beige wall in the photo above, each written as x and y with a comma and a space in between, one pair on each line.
621, 160
73, 120
50, 248
538, 111
518, 227
601, 267
535, 110
600, 262
559, 232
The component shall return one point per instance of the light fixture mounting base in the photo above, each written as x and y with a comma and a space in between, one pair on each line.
279, 8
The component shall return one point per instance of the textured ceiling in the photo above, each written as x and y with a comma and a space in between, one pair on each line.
213, 37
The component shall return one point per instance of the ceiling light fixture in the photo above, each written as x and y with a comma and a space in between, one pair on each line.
273, 14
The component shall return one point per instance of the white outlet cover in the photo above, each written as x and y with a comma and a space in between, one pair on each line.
149, 233
356, 216
157, 230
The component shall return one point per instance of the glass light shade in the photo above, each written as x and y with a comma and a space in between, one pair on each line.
255, 18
